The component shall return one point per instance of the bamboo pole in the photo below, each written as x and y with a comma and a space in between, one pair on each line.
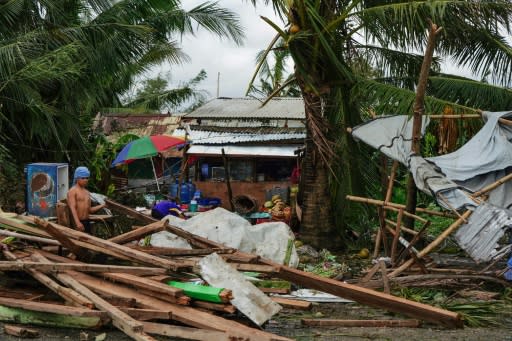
390, 204
31, 238
394, 245
492, 186
432, 245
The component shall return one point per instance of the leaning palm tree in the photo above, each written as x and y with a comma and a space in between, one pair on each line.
61, 60
330, 40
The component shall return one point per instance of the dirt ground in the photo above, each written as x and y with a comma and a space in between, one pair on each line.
288, 323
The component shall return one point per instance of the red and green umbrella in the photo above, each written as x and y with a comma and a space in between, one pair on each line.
145, 147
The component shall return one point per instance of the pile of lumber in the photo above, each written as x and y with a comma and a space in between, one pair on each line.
128, 296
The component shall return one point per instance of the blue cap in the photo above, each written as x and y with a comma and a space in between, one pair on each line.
81, 172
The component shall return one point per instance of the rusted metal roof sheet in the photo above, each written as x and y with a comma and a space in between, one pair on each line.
480, 236
288, 151
208, 137
141, 125
250, 108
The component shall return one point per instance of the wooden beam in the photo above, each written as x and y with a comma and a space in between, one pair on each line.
129, 211
144, 283
139, 233
31, 238
361, 323
372, 298
55, 267
127, 252
147, 314
184, 332
51, 308
169, 251
69, 295
61, 237
20, 331
294, 304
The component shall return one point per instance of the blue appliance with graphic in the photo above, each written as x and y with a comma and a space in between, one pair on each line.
47, 183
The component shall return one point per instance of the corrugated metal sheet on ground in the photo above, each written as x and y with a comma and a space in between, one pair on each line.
284, 107
227, 137
277, 151
480, 236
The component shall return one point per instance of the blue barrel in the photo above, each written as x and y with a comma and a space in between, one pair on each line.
184, 193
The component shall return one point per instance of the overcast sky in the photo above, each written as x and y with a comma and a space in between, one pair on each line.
235, 64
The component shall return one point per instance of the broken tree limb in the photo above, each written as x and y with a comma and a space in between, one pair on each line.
398, 206
432, 245
361, 323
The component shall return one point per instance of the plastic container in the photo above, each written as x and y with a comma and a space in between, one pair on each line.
197, 194
184, 194
193, 205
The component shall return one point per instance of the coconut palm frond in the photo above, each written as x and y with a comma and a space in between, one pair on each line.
390, 100
470, 93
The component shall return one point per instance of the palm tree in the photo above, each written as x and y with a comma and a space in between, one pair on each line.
332, 41
63, 59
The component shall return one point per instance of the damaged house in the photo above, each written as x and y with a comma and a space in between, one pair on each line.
260, 144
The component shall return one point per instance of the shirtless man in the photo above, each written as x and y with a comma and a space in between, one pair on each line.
79, 200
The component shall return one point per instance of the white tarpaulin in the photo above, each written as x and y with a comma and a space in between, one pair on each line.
269, 240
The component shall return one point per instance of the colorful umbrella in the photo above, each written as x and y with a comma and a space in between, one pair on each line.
147, 146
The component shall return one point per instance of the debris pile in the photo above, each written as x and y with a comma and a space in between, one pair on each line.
152, 283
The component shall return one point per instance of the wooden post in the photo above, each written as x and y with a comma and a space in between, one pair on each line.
419, 109
394, 245
228, 183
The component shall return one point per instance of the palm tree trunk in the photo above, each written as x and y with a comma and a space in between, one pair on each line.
317, 225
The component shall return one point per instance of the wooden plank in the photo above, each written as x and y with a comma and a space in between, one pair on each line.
147, 314
62, 238
139, 233
225, 308
105, 245
370, 273
31, 238
13, 225
182, 300
180, 313
255, 267
281, 291
55, 267
51, 308
361, 323
291, 303
185, 332
145, 283
372, 298
130, 212
20, 331
69, 295
168, 251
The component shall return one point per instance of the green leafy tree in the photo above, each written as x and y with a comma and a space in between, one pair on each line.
61, 60
331, 43
154, 94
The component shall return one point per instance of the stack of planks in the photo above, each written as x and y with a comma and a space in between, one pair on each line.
128, 296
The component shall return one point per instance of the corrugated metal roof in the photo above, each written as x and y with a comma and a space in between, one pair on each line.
480, 236
234, 137
250, 108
